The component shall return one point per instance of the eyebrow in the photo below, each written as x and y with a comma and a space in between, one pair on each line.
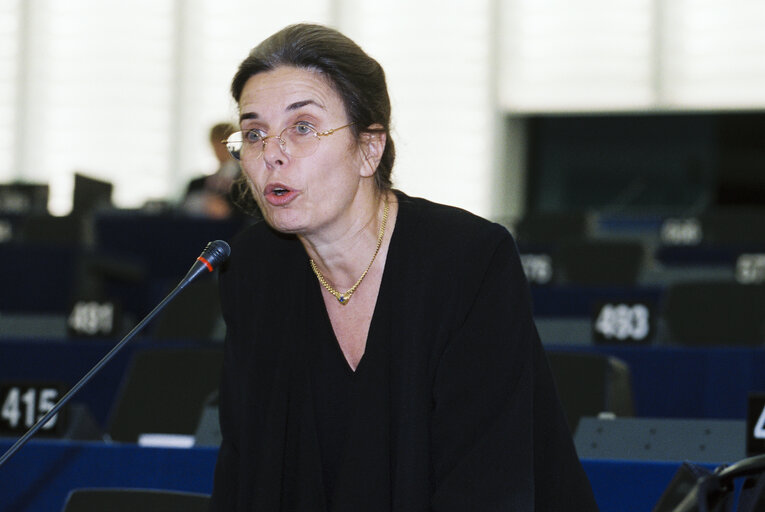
292, 106
300, 104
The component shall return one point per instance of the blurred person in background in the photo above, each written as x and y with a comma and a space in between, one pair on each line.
211, 195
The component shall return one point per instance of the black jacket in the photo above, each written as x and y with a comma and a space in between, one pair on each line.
459, 409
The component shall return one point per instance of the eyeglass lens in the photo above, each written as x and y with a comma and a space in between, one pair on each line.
298, 141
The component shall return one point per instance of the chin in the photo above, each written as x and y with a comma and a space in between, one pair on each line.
284, 224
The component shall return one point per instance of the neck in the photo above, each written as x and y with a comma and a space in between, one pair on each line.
344, 253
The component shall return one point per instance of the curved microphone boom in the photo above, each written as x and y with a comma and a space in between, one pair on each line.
213, 255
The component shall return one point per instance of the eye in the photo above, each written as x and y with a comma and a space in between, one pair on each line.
303, 128
253, 136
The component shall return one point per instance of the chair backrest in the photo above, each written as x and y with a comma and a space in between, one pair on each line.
36, 279
715, 313
164, 392
131, 500
551, 227
734, 225
48, 230
589, 384
599, 262
193, 315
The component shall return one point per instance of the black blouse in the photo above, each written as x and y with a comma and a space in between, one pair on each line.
337, 392
452, 407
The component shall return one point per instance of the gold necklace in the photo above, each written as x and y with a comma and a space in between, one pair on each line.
343, 298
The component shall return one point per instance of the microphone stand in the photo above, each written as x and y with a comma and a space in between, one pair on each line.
218, 252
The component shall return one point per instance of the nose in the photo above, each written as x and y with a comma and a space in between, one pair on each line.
274, 151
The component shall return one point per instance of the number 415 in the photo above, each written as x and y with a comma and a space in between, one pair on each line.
31, 405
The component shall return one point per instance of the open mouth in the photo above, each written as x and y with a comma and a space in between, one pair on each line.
279, 194
277, 189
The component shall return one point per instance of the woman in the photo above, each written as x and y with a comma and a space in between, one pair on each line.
380, 350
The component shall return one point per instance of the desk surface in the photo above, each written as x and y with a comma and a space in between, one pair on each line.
41, 475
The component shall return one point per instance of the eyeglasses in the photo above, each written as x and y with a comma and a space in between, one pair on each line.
299, 141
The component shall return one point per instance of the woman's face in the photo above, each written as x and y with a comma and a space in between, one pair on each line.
300, 195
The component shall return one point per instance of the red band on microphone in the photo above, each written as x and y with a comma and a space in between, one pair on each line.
207, 263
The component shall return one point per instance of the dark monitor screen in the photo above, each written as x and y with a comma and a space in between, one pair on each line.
23, 198
90, 194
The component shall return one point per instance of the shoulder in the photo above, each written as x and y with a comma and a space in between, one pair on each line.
440, 228
444, 254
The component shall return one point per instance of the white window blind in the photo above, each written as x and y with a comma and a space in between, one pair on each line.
9, 77
714, 54
437, 59
100, 102
127, 91
558, 55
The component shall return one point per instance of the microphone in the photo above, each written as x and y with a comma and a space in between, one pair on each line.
212, 256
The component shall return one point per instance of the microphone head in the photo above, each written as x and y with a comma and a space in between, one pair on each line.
215, 253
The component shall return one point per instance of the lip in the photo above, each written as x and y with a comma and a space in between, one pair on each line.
279, 194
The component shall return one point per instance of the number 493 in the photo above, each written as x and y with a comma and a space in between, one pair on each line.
623, 322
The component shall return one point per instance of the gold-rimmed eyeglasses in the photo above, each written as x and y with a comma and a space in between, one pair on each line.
298, 140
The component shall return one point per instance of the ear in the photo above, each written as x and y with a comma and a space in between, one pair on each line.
372, 145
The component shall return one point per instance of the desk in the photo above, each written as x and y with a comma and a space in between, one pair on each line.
67, 361
41, 475
688, 382
668, 382
136, 259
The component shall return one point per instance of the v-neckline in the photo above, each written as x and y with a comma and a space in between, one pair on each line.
317, 292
